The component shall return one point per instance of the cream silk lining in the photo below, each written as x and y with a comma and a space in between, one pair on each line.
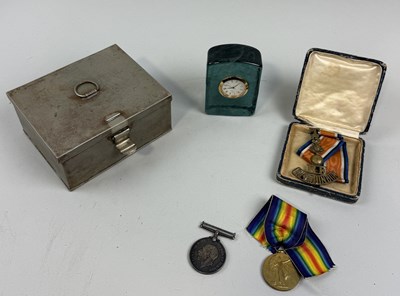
338, 93
298, 135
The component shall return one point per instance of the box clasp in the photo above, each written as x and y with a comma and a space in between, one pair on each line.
123, 143
121, 131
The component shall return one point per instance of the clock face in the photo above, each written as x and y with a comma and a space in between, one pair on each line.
233, 87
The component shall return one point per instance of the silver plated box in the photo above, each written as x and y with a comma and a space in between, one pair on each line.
87, 116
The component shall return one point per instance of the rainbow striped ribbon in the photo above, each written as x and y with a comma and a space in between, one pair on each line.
334, 155
279, 225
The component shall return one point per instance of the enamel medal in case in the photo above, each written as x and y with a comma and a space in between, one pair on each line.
335, 102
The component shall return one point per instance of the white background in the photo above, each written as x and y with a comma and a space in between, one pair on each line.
128, 231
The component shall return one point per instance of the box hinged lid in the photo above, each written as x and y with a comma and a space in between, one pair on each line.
70, 109
338, 91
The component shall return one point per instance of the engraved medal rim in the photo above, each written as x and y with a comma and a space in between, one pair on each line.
222, 253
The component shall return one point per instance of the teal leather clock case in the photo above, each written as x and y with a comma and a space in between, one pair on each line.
233, 80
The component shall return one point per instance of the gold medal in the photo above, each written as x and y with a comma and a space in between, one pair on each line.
279, 272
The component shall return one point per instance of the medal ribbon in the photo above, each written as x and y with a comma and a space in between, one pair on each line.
334, 154
278, 225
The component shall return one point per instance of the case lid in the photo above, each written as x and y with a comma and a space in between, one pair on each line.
68, 123
234, 53
338, 91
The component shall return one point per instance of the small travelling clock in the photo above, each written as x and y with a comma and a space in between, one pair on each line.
233, 79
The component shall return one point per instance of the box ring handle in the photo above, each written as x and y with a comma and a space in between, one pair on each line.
88, 94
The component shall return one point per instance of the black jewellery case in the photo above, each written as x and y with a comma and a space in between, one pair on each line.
338, 93
89, 115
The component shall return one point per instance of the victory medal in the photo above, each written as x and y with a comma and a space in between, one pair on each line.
279, 272
297, 251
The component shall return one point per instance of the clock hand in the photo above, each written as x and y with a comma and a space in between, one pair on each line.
233, 86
